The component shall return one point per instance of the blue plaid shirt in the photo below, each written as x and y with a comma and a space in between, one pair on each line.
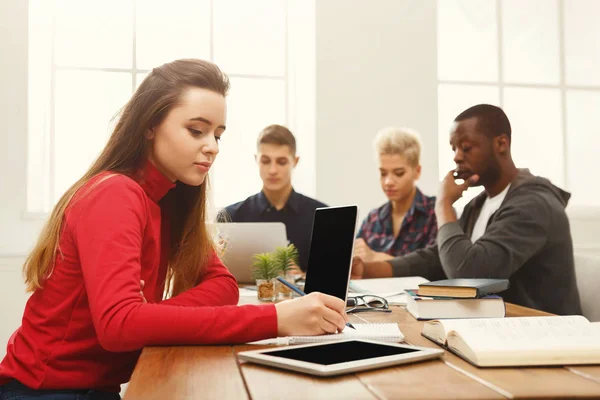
418, 230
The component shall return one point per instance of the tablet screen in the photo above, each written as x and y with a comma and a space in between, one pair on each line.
339, 352
330, 256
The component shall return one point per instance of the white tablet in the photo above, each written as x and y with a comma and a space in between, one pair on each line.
336, 358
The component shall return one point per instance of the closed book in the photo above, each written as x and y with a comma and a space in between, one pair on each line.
424, 308
463, 288
519, 341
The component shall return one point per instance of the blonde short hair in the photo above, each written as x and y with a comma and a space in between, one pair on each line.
402, 141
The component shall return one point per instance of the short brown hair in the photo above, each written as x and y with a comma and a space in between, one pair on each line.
277, 134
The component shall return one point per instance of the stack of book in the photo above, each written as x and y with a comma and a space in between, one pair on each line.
458, 298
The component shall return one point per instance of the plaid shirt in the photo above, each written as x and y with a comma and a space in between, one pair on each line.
418, 230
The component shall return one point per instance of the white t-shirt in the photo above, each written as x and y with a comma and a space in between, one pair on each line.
490, 206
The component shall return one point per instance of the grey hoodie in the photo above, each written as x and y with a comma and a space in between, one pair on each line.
527, 240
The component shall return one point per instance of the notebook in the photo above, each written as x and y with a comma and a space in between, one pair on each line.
463, 288
387, 332
519, 341
424, 308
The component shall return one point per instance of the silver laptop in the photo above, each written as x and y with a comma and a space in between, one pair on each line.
241, 240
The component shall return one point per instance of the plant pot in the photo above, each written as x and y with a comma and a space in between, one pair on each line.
265, 289
284, 292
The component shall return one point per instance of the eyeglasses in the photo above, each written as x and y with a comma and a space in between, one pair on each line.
367, 303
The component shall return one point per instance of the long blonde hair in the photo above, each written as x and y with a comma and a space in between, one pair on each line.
126, 153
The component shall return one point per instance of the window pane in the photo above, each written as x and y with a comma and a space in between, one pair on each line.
94, 33
139, 78
249, 36
467, 40
251, 105
86, 102
583, 142
530, 41
537, 141
38, 107
166, 33
452, 100
582, 38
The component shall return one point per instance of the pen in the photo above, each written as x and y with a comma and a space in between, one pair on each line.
301, 293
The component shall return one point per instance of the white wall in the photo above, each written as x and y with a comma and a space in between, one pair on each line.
16, 234
12, 298
376, 67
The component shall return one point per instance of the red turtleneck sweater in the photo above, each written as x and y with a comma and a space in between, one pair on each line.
85, 328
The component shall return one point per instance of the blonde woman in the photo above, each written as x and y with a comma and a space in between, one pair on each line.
136, 221
407, 221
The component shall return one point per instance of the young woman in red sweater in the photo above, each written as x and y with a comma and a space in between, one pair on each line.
139, 215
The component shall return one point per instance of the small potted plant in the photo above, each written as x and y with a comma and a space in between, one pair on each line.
286, 260
265, 272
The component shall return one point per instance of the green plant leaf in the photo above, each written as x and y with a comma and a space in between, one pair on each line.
286, 257
264, 266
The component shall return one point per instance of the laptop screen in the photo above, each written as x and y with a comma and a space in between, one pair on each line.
331, 247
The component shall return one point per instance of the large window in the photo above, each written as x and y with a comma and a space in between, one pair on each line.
539, 60
87, 57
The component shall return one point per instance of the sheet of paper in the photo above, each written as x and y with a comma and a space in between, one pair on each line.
386, 285
392, 289
247, 292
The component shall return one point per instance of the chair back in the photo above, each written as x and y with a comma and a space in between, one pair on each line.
587, 271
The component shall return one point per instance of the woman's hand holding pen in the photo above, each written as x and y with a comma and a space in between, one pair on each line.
313, 314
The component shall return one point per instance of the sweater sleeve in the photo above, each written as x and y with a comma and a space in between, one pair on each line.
217, 288
107, 226
423, 262
518, 231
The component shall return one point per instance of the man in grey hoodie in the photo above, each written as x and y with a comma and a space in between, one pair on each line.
516, 229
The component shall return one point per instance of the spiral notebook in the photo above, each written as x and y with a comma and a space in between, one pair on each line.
387, 332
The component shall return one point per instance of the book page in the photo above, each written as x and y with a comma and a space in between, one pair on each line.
526, 333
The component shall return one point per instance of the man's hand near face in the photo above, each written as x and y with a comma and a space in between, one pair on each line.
449, 192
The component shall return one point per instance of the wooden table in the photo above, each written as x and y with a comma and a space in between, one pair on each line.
213, 372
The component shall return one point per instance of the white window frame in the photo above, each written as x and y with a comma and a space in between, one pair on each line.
501, 84
296, 104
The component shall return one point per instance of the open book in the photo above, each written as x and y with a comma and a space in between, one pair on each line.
494, 342
387, 332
